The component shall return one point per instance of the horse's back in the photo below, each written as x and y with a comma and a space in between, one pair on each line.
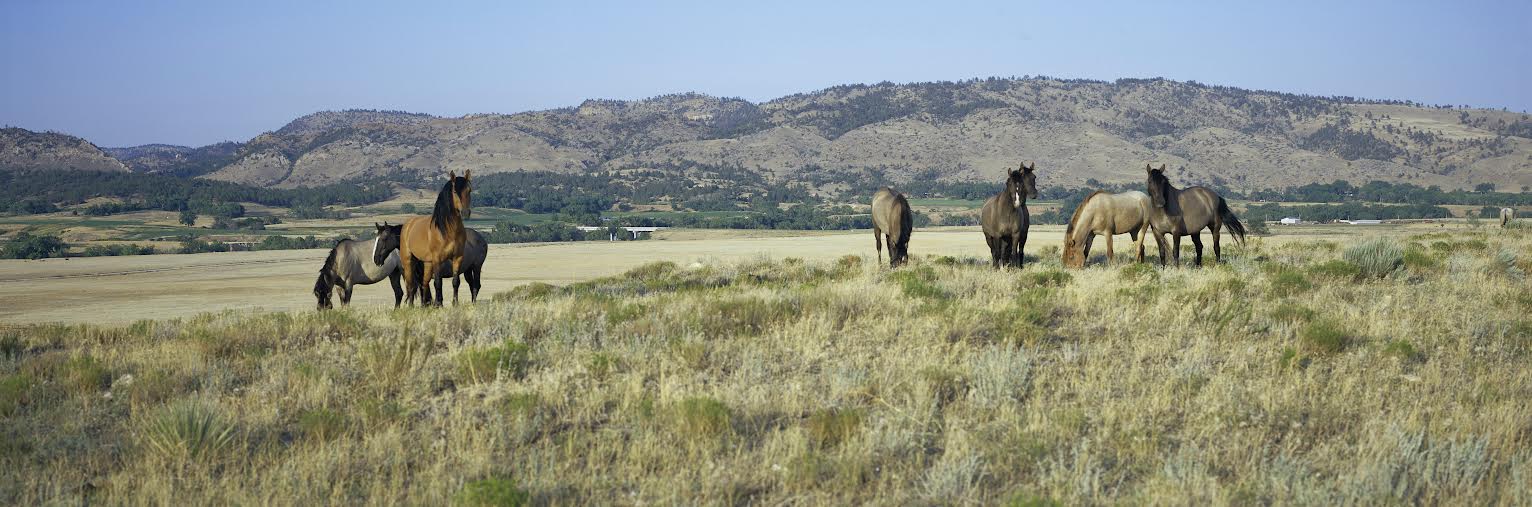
889, 210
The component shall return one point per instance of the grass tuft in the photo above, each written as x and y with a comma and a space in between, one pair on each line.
830, 427
186, 431
1376, 258
483, 364
492, 493
1324, 337
702, 417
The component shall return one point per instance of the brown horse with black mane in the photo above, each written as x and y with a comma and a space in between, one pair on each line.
891, 219
427, 243
1186, 212
1004, 217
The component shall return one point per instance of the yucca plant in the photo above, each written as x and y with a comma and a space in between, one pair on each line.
186, 431
1377, 257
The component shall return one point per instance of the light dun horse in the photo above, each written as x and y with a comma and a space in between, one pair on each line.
1005, 220
427, 243
1506, 215
1186, 212
1106, 214
891, 219
353, 263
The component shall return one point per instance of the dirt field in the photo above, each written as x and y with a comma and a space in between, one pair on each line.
117, 290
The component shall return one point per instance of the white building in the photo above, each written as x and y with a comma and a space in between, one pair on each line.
1291, 221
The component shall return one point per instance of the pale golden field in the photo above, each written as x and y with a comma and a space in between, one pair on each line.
1378, 366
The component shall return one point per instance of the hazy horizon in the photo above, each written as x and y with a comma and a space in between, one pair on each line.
194, 74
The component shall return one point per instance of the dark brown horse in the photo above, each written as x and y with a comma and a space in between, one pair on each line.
1005, 220
891, 219
426, 243
1186, 212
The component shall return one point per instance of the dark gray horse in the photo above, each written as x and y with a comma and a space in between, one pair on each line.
1004, 217
1186, 212
475, 249
891, 219
353, 263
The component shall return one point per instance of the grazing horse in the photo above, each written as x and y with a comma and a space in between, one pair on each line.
353, 263
427, 243
1106, 214
1506, 214
1179, 212
1005, 220
891, 219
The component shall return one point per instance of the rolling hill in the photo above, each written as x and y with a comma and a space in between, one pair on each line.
1077, 130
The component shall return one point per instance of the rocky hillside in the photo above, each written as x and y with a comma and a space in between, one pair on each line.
1076, 130
173, 160
22, 149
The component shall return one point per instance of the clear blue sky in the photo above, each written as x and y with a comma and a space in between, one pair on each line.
124, 73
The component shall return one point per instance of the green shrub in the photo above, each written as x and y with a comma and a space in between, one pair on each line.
701, 416
1376, 258
1323, 337
1402, 350
535, 291
1418, 260
829, 427
321, 424
482, 364
1504, 264
85, 374
521, 405
186, 431
919, 283
1288, 282
1336, 269
492, 493
601, 365
13, 393
1139, 271
651, 270
11, 346
1292, 313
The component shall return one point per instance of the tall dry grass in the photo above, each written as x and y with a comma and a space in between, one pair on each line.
1287, 375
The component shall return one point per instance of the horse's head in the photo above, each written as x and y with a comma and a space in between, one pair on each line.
1073, 254
322, 289
1020, 182
387, 243
1159, 185
462, 192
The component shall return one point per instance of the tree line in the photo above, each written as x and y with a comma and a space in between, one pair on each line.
31, 192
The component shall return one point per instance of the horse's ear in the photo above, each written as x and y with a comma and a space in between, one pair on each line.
468, 174
451, 175
1162, 167
1148, 168
1028, 167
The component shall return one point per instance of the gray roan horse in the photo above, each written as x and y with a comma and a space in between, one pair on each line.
891, 219
353, 263
475, 249
1004, 217
1506, 215
1106, 214
1179, 212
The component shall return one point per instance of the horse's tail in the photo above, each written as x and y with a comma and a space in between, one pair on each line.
323, 285
1227, 215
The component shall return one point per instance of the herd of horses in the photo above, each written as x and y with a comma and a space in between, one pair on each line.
1164, 211
440, 245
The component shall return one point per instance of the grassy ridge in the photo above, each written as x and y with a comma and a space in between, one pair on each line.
1311, 373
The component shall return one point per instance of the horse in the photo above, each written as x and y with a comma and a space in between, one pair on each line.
428, 242
349, 265
891, 219
1106, 214
475, 249
1506, 215
1179, 212
1004, 218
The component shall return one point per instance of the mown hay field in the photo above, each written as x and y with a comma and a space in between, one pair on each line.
1383, 370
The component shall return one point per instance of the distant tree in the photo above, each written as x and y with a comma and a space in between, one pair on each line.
1484, 188
34, 246
407, 208
188, 217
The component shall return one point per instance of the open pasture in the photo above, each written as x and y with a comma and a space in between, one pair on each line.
1387, 368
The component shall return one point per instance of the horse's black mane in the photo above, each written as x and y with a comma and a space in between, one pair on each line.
444, 202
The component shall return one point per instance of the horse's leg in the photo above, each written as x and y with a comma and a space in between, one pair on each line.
473, 284
1197, 242
1217, 252
441, 296
393, 279
1175, 248
456, 282
1111, 256
345, 294
407, 272
1138, 242
877, 242
995, 251
1021, 245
